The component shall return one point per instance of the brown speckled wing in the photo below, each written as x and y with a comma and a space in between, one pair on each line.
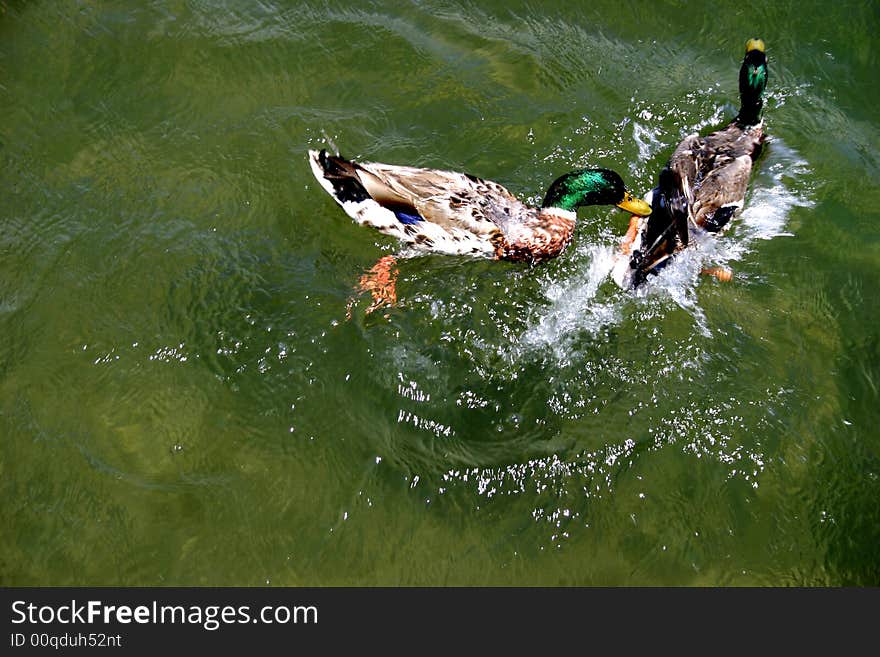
724, 170
446, 198
722, 186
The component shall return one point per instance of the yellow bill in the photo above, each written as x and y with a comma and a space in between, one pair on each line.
634, 205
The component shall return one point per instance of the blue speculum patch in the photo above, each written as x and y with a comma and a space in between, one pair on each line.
405, 218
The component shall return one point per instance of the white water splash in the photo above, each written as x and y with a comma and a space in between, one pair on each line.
647, 140
767, 211
573, 305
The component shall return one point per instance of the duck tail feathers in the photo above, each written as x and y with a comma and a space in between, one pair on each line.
337, 176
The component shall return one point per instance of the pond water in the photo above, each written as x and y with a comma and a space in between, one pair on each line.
184, 402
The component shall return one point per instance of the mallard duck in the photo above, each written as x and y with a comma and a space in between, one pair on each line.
460, 214
703, 185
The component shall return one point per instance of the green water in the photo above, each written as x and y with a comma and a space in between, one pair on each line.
183, 402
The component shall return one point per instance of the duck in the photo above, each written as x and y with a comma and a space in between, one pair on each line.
702, 186
451, 213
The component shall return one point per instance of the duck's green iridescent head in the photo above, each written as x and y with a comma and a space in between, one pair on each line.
593, 187
753, 76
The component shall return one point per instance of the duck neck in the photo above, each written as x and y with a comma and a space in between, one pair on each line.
750, 111
752, 82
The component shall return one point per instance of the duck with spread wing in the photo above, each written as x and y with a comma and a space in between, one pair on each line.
702, 187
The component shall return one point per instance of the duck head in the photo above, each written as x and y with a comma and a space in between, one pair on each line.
593, 187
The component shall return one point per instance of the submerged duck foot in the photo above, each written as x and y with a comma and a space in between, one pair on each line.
381, 282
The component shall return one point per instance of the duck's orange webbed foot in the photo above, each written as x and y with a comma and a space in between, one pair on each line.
723, 274
631, 232
381, 282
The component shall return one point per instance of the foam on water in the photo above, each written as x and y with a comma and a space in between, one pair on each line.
574, 306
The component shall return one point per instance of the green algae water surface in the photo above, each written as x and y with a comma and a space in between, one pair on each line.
183, 401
